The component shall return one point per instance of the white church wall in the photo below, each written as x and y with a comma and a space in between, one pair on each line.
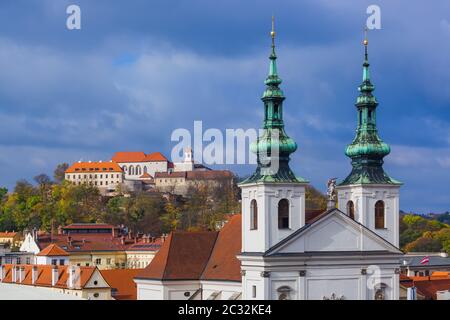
268, 197
226, 289
364, 198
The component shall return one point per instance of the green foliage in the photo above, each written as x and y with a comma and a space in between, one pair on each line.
420, 234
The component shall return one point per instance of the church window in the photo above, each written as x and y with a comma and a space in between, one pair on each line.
145, 169
379, 215
138, 170
276, 111
253, 215
283, 214
131, 171
351, 209
284, 293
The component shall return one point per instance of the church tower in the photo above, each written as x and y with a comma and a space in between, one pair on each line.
368, 194
273, 198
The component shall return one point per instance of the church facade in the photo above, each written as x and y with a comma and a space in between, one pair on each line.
348, 252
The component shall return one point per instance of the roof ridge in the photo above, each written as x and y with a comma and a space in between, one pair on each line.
166, 259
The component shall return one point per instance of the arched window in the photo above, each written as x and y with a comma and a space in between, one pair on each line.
379, 215
351, 209
283, 214
276, 110
145, 169
253, 215
125, 169
138, 170
131, 171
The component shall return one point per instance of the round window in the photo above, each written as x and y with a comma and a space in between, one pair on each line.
96, 295
187, 294
95, 282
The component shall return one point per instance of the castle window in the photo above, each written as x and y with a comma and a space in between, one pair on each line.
351, 209
283, 214
253, 215
379, 215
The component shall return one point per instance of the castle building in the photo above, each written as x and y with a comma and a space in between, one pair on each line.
106, 176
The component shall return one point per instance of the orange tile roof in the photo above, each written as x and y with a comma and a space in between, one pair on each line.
199, 255
121, 282
44, 275
8, 234
146, 176
183, 256
223, 264
94, 167
140, 156
86, 242
156, 156
429, 287
52, 250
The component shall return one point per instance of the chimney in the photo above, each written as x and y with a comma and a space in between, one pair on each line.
14, 273
71, 276
34, 273
54, 275
2, 272
21, 274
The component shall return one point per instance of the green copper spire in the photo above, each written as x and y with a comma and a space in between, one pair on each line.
367, 149
273, 147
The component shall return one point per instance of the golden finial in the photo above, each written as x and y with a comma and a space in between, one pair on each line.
366, 42
272, 33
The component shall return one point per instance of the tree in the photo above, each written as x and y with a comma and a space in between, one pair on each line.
60, 172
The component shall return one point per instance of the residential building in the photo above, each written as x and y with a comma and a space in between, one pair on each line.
14, 257
12, 238
52, 255
141, 253
424, 264
99, 245
81, 282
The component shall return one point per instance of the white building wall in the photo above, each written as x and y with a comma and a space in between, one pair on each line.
226, 289
364, 198
151, 167
267, 197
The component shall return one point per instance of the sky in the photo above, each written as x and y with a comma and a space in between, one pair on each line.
139, 69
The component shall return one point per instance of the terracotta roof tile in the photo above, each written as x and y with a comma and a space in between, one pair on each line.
8, 234
52, 250
183, 256
121, 282
94, 167
140, 156
223, 264
429, 287
44, 275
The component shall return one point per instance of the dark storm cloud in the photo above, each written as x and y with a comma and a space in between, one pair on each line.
140, 69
